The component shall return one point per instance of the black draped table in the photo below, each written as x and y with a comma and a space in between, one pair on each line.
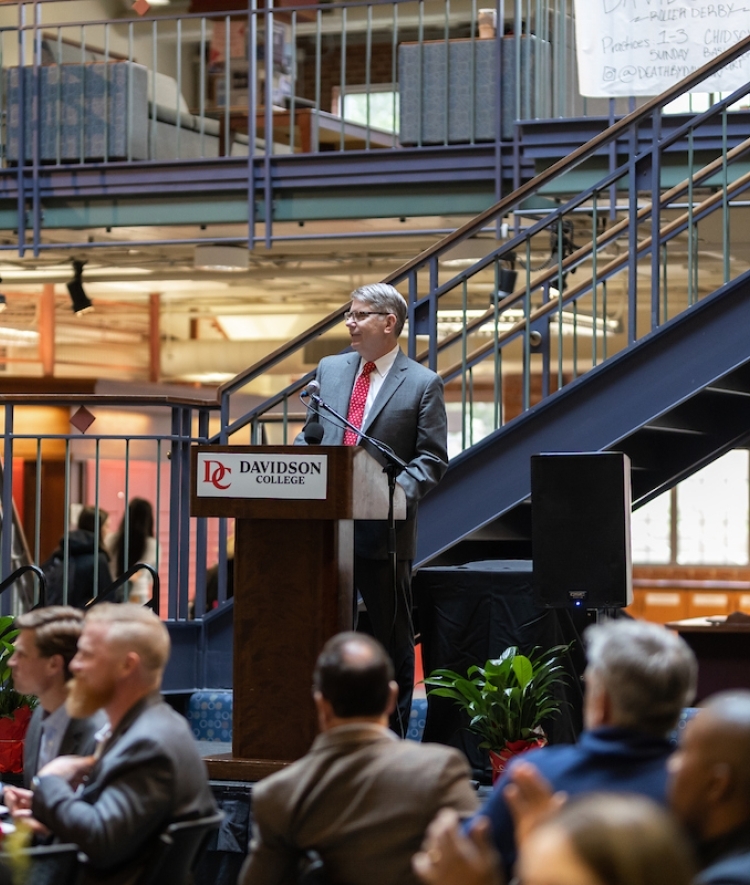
470, 613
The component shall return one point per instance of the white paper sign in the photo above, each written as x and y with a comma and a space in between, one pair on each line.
229, 475
642, 47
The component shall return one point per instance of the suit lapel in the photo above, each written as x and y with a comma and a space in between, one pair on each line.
393, 380
31, 745
71, 738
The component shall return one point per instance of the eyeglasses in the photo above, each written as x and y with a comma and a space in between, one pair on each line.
359, 315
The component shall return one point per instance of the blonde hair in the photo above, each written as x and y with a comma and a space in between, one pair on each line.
137, 629
625, 839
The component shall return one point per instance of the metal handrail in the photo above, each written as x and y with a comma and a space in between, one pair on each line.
21, 570
110, 594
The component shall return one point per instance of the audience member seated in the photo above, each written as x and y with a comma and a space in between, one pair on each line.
638, 678
596, 839
40, 663
709, 789
361, 798
86, 558
145, 775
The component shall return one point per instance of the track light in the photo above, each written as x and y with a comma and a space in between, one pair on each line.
79, 299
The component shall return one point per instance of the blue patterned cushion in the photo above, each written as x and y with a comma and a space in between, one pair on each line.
210, 715
417, 719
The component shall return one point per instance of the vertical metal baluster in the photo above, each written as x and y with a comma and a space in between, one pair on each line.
497, 354
464, 350
152, 108
420, 74
126, 519
691, 231
157, 507
655, 217
447, 72
725, 195
527, 331
394, 77
66, 524
560, 317
97, 526
318, 62
6, 544
343, 75
594, 221
293, 97
368, 65
202, 90
201, 539
178, 115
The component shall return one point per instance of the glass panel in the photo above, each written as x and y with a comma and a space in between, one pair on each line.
650, 531
712, 513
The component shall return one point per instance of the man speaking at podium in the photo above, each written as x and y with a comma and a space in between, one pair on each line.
400, 403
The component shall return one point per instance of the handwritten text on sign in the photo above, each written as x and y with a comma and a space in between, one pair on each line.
642, 47
226, 475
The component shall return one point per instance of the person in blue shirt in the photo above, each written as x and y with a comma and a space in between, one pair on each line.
638, 678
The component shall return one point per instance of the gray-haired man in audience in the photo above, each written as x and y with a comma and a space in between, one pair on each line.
638, 678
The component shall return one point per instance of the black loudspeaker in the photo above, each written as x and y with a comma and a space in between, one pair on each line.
580, 529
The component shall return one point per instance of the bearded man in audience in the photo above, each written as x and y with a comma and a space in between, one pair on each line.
145, 775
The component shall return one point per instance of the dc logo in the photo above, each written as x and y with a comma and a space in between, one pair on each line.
215, 472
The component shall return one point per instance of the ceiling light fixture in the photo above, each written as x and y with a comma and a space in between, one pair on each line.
80, 301
223, 259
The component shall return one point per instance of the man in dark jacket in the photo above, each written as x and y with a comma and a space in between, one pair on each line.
709, 788
88, 563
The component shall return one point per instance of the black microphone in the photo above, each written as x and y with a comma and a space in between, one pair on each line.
312, 390
313, 433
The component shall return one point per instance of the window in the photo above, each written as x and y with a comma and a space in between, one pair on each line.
703, 521
382, 99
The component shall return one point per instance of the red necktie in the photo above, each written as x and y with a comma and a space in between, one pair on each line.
357, 403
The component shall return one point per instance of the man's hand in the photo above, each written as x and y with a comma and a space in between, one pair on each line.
530, 798
73, 769
17, 799
448, 856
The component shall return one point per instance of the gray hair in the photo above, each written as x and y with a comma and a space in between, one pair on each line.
648, 672
382, 296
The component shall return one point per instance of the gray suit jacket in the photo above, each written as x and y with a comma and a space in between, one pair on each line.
78, 740
149, 775
409, 416
362, 799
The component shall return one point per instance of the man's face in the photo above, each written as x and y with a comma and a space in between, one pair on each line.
32, 673
373, 335
690, 770
94, 670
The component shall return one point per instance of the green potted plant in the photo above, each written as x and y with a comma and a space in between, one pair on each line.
507, 699
15, 708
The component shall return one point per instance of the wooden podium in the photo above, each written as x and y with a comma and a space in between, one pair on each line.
294, 508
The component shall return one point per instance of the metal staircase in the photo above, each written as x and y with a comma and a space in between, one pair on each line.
674, 401
618, 318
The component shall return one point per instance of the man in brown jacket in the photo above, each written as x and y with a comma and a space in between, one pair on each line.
361, 798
